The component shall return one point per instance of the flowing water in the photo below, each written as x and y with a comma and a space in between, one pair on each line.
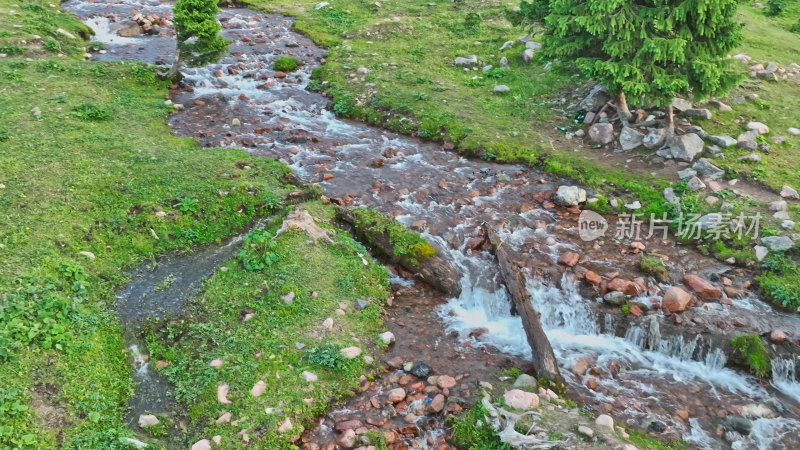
642, 374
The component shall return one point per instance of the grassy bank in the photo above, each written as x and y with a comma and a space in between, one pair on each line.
280, 339
40, 28
92, 183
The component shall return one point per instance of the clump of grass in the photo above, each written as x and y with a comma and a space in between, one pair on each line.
752, 349
780, 281
471, 431
655, 268
88, 111
286, 64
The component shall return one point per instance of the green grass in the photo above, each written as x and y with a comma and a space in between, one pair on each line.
780, 282
471, 431
286, 64
263, 348
755, 355
407, 245
89, 175
29, 28
653, 266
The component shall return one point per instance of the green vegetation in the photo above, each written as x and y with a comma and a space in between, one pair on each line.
472, 432
263, 348
407, 245
88, 164
648, 52
780, 282
30, 28
286, 64
752, 349
643, 440
655, 268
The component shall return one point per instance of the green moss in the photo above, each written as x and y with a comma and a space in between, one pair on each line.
780, 280
752, 349
286, 64
655, 268
407, 245
643, 440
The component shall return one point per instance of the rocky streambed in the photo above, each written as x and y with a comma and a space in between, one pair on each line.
668, 370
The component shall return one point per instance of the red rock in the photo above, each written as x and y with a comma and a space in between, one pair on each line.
704, 289
280, 75
778, 336
243, 97
349, 425
199, 102
446, 382
391, 437
395, 363
327, 176
733, 292
593, 278
449, 146
626, 287
437, 404
161, 364
635, 310
579, 366
676, 299
683, 414
591, 383
569, 259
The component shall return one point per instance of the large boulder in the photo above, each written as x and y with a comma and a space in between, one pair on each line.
778, 243
127, 28
520, 399
630, 139
788, 192
680, 104
704, 289
569, 196
655, 138
686, 147
601, 133
597, 97
698, 113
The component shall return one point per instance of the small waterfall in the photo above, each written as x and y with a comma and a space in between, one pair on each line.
609, 327
139, 361
785, 376
698, 436
654, 335
636, 336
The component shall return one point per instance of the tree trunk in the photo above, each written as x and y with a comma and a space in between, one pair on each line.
544, 359
670, 121
174, 73
621, 103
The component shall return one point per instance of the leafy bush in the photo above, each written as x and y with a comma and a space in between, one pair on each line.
31, 317
752, 349
327, 355
286, 64
776, 7
258, 251
780, 282
87, 111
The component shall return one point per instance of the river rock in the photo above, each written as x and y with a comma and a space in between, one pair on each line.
686, 173
752, 157
737, 423
569, 196
722, 141
778, 243
669, 195
676, 299
794, 131
601, 133
758, 127
525, 381
126, 28
446, 382
387, 338
778, 336
719, 105
788, 192
697, 113
148, 420
605, 421
704, 167
347, 439
630, 139
350, 352
595, 100
779, 205
686, 147
655, 138
421, 370
437, 404
704, 289
396, 395
680, 104
520, 399
469, 61
506, 45
202, 444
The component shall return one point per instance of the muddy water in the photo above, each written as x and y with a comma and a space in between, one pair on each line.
644, 374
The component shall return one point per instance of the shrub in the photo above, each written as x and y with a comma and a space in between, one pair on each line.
776, 7
88, 111
753, 351
780, 281
327, 355
286, 64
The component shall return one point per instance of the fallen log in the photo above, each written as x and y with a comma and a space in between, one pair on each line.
544, 359
402, 246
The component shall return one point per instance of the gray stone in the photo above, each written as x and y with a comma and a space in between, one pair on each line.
698, 113
698, 131
686, 173
747, 140
387, 338
506, 45
614, 298
778, 243
525, 381
708, 170
501, 89
695, 184
504, 62
680, 104
761, 252
752, 157
533, 45
569, 196
360, 304
595, 100
725, 206
787, 192
779, 205
601, 133
655, 138
758, 127
487, 68
686, 147
469, 61
767, 75
719, 105
669, 194
524, 39
787, 224
126, 28
630, 139
527, 55
794, 131
771, 67
634, 205
781, 215
722, 141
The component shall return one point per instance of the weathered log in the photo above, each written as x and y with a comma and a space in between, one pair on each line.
380, 233
544, 359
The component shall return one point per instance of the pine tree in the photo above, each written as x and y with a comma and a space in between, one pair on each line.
199, 41
648, 51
